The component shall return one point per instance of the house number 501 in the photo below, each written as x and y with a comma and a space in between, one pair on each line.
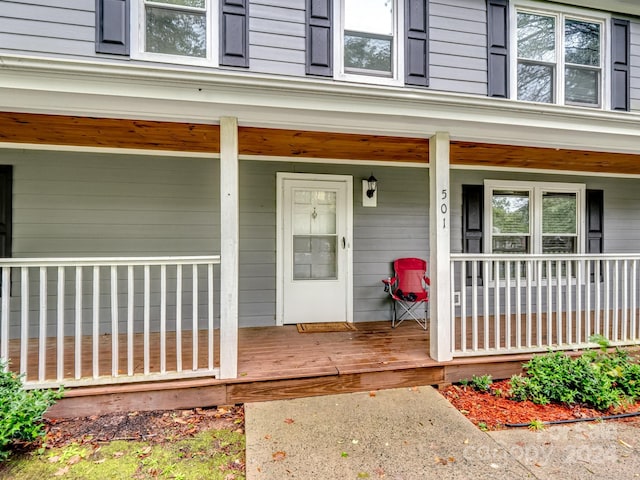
444, 208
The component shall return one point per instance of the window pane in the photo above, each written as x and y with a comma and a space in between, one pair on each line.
372, 16
558, 244
366, 53
559, 213
183, 3
511, 244
582, 43
582, 86
314, 257
176, 33
535, 83
536, 37
510, 211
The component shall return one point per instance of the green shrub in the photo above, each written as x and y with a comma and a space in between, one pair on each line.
597, 378
21, 411
481, 383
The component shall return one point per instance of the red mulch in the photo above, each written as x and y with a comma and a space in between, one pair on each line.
496, 410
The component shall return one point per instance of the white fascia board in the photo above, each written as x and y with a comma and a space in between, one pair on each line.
156, 93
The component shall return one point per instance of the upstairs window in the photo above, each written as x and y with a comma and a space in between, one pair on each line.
560, 58
177, 31
369, 40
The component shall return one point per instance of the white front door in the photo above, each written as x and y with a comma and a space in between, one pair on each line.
314, 248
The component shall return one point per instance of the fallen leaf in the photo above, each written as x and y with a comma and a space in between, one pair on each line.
279, 456
466, 441
354, 441
622, 442
441, 461
372, 394
267, 437
54, 459
289, 420
451, 459
73, 460
380, 472
146, 450
344, 454
118, 454
61, 472
363, 475
414, 389
102, 460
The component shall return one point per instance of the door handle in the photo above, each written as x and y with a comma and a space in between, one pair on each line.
344, 243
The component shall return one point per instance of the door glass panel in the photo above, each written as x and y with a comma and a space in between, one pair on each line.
315, 241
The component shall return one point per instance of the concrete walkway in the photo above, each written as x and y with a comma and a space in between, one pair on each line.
415, 433
400, 434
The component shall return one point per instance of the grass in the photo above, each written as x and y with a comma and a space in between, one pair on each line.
211, 455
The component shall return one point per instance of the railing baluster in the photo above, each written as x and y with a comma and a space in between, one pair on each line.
607, 301
596, 281
130, 318
463, 306
163, 319
539, 303
194, 325
60, 326
496, 304
78, 325
616, 303
568, 302
452, 304
579, 283
518, 305
210, 314
147, 318
549, 303
4, 318
625, 300
529, 280
42, 333
485, 294
115, 347
474, 305
24, 321
507, 304
634, 298
559, 311
96, 322
587, 300
179, 318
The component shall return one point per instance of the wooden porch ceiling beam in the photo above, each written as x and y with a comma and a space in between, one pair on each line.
108, 133
510, 156
348, 146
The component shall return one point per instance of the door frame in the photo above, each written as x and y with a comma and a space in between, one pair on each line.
319, 177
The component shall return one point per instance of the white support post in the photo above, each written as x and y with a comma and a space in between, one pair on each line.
229, 247
440, 248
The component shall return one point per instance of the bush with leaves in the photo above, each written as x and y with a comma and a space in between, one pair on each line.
600, 379
21, 411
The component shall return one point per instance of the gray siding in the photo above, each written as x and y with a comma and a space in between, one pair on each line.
458, 46
621, 200
635, 65
277, 37
398, 227
58, 27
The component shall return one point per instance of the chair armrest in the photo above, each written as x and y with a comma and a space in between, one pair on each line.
427, 280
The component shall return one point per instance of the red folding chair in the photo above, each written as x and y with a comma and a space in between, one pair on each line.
408, 289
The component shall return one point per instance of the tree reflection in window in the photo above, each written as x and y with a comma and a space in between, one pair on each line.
176, 27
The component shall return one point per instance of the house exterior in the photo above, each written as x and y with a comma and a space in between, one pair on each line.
170, 168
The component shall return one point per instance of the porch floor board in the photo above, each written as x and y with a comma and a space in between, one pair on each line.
281, 363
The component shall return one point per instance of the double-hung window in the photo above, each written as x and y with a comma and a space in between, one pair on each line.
560, 57
541, 218
369, 43
177, 31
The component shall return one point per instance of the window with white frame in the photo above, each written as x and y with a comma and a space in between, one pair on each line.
178, 31
532, 217
369, 40
560, 57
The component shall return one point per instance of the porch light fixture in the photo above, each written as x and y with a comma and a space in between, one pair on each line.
370, 192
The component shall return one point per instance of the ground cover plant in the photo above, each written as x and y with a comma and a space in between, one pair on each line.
554, 386
202, 443
21, 411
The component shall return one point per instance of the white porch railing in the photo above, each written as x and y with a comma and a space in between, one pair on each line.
88, 321
532, 303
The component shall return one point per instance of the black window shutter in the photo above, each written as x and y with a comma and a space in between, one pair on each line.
6, 209
498, 48
234, 33
417, 43
319, 38
595, 221
472, 221
620, 61
112, 26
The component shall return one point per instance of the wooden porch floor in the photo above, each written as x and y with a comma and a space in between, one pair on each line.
280, 363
